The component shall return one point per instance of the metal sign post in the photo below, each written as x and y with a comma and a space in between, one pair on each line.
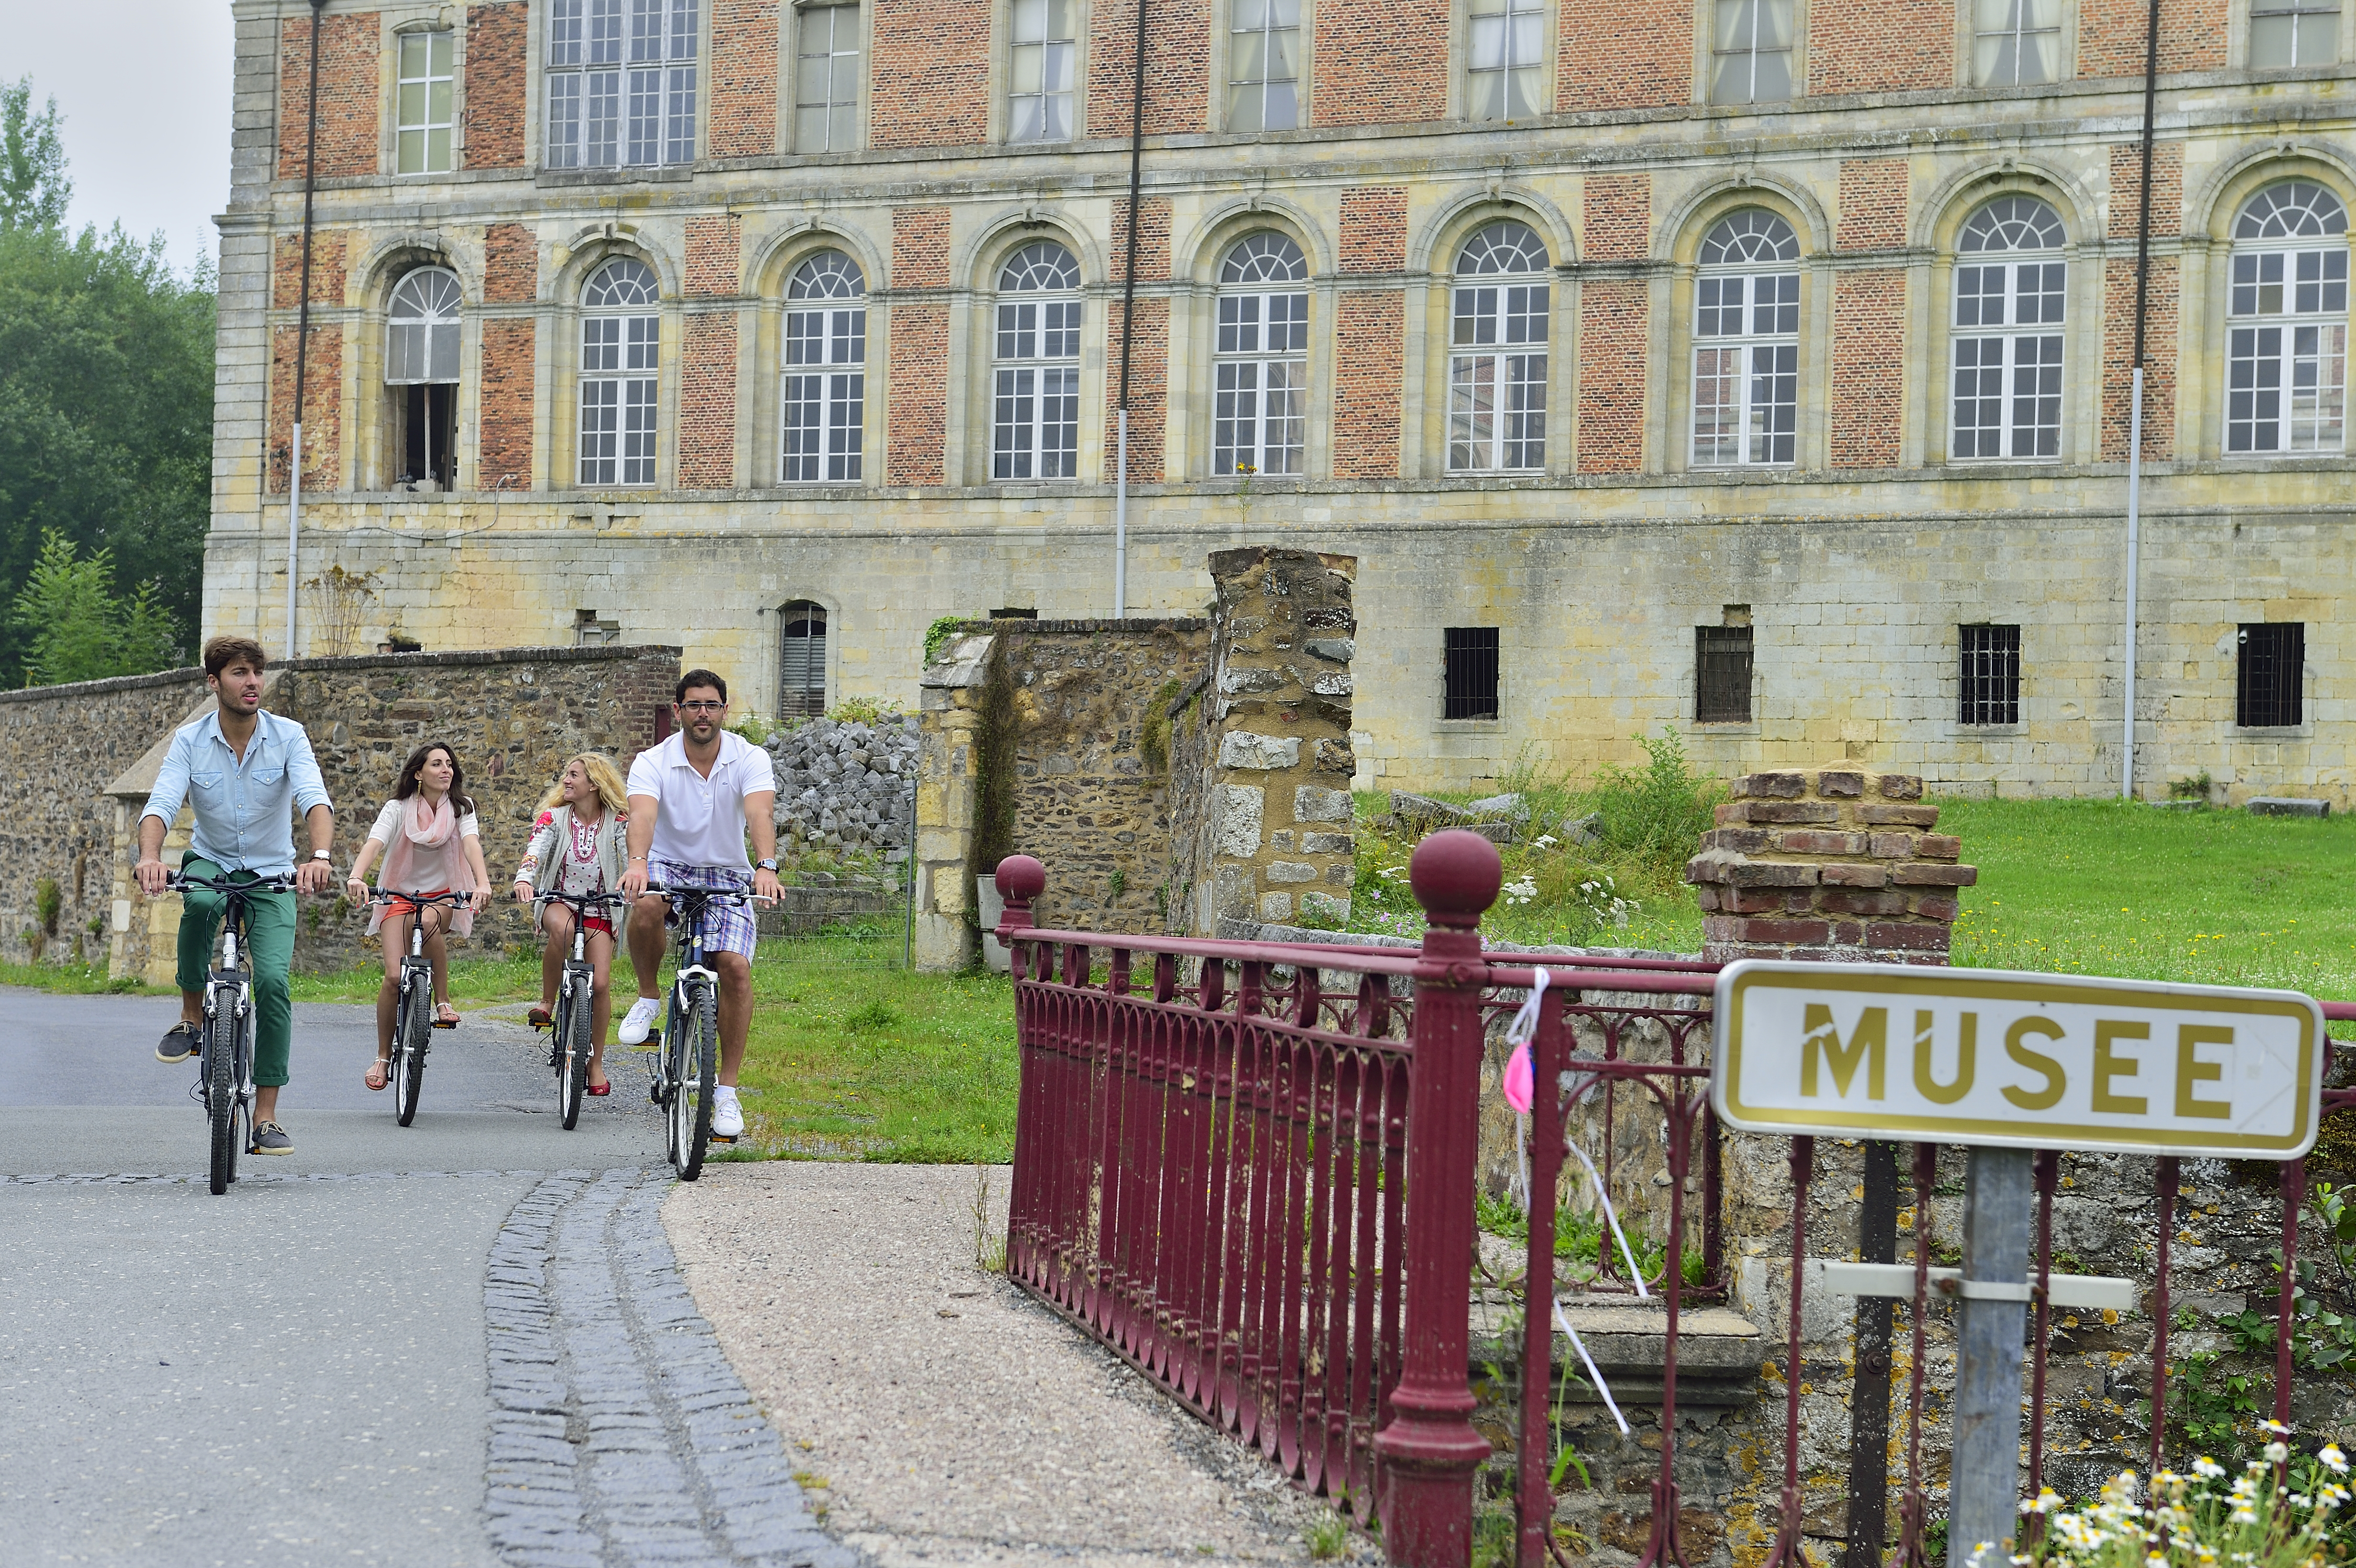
2005, 1064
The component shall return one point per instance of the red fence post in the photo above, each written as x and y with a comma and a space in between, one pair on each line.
1429, 1448
1020, 880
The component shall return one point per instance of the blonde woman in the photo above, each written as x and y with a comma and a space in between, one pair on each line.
577, 845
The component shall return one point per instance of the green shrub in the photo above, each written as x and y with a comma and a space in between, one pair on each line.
937, 634
865, 711
49, 900
1656, 813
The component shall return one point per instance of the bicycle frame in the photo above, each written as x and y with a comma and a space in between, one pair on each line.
230, 984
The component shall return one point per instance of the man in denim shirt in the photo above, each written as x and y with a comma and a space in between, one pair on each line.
243, 769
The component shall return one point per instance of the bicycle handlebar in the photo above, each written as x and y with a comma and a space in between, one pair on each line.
451, 897
181, 881
578, 901
725, 895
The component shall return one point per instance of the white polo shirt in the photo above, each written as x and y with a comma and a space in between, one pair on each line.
699, 821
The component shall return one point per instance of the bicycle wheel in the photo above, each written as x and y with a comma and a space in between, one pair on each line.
409, 1043
241, 1107
691, 1101
214, 1039
572, 1062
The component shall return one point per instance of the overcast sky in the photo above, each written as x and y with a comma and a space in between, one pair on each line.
142, 87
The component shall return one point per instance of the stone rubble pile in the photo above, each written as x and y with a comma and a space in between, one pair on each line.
843, 783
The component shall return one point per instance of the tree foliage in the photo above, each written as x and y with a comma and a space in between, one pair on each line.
106, 400
77, 628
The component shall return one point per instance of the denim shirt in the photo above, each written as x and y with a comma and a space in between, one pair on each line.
245, 810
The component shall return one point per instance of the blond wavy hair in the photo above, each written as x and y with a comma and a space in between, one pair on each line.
604, 777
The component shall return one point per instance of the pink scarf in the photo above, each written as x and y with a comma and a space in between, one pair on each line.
427, 856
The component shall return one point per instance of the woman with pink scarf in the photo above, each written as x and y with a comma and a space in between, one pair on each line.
431, 844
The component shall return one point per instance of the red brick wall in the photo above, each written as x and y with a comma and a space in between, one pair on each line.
1152, 240
1614, 331
327, 253
503, 454
743, 120
918, 434
1177, 66
715, 259
2111, 36
928, 85
1872, 204
2159, 359
349, 94
1374, 228
2167, 188
1618, 210
707, 403
511, 264
1869, 368
1636, 54
497, 76
1379, 62
1369, 348
1149, 389
1881, 46
323, 407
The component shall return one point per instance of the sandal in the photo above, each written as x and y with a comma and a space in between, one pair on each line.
446, 1015
539, 1017
380, 1074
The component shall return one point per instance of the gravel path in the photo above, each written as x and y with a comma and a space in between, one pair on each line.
952, 1419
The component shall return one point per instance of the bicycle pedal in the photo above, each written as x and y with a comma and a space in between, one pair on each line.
722, 1138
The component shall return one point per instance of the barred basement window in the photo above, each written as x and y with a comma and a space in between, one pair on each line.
621, 82
621, 344
826, 78
2287, 350
1264, 66
825, 391
421, 103
1721, 674
2293, 32
801, 660
1470, 672
2269, 675
1991, 675
1747, 342
1036, 418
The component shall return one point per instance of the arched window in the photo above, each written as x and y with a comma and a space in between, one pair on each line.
825, 393
1261, 357
801, 661
1747, 342
620, 343
420, 360
2286, 347
2010, 288
1497, 351
1036, 416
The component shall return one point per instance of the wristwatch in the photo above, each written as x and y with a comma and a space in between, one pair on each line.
768, 865
321, 854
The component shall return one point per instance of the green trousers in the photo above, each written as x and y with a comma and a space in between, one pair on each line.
269, 953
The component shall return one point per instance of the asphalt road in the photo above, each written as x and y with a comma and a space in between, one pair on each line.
298, 1372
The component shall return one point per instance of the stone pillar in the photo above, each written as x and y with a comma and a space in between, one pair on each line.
1829, 863
1276, 841
947, 800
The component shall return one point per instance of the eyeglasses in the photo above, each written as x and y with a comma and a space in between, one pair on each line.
704, 708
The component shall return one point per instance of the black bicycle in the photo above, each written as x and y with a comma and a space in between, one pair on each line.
412, 1010
225, 1039
685, 1067
569, 1048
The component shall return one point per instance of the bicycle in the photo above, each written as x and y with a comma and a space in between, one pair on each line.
569, 1047
686, 1065
225, 1039
412, 1012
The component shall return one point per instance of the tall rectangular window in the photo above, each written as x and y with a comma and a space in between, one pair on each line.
2269, 675
1750, 49
1502, 66
2016, 42
420, 139
2293, 32
621, 82
826, 79
1991, 675
1041, 82
1470, 672
1264, 66
1721, 674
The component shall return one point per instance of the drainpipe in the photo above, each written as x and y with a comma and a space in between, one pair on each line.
2134, 406
1127, 329
303, 331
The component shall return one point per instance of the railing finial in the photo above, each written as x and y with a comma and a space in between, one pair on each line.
1456, 874
1020, 880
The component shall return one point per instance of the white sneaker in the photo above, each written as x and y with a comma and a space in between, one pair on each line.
727, 1115
640, 1022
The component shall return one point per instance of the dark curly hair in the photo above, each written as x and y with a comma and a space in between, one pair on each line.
460, 801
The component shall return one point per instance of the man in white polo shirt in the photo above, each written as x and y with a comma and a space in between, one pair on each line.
693, 798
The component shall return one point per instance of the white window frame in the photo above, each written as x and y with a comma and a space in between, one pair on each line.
1505, 59
620, 376
2286, 323
822, 389
1035, 366
838, 25
420, 328
1042, 63
1499, 312
1736, 49
1758, 251
2313, 26
2009, 333
1267, 32
623, 82
421, 126
2016, 42
1259, 355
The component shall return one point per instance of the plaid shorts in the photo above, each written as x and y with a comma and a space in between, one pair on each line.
727, 927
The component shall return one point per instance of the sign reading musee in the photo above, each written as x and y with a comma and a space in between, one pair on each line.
1984, 1056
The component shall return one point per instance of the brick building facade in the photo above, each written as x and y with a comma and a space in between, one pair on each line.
1770, 386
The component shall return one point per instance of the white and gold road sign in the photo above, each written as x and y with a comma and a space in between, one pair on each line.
1991, 1057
